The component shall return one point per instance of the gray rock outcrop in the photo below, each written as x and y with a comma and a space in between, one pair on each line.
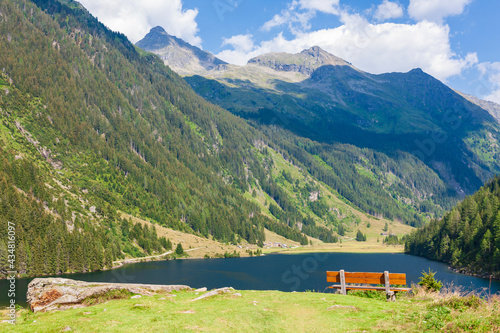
214, 293
45, 294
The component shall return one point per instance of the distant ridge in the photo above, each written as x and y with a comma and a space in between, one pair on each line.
492, 107
182, 57
305, 62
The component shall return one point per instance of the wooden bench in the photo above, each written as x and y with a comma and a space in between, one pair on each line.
384, 278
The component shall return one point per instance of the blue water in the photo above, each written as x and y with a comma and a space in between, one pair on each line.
284, 272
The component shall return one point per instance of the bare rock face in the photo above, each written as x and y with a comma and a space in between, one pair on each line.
45, 294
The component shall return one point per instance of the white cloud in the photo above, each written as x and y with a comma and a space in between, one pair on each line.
490, 73
136, 18
436, 10
241, 43
375, 48
388, 10
325, 6
296, 19
299, 13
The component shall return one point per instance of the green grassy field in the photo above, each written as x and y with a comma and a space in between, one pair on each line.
271, 311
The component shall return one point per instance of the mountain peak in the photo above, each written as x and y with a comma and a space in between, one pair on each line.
315, 51
158, 29
181, 56
157, 38
305, 62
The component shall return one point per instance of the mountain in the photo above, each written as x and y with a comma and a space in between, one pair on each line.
328, 114
467, 237
492, 107
102, 147
182, 57
305, 62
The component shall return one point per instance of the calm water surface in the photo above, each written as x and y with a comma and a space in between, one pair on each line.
285, 272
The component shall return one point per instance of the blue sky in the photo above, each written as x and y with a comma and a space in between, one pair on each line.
457, 41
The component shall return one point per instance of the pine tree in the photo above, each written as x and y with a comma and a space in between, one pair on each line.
108, 259
496, 230
179, 250
341, 231
360, 237
386, 227
4, 264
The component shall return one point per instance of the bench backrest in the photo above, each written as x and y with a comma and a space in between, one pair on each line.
367, 278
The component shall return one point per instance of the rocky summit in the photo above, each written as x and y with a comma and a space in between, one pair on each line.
305, 62
176, 53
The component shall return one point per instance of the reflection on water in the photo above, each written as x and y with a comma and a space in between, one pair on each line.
283, 272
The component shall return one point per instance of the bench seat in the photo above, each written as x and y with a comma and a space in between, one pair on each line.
338, 286
356, 278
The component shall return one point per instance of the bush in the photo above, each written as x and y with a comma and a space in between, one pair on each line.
429, 282
179, 250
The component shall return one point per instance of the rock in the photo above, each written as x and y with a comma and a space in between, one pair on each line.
213, 293
199, 290
67, 328
237, 295
46, 294
136, 296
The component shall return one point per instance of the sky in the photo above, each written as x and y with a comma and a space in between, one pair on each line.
456, 41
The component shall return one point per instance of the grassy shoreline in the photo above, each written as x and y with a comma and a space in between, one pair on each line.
271, 311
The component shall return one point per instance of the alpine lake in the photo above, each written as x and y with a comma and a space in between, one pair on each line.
283, 272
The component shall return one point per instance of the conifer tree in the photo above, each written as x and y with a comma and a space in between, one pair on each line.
179, 250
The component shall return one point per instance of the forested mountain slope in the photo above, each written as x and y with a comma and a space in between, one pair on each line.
91, 126
467, 237
398, 145
333, 102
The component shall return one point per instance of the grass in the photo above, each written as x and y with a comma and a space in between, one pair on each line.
198, 247
350, 246
272, 311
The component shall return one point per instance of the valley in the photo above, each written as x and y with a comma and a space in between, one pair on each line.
113, 152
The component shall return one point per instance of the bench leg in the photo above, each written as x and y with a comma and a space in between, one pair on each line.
343, 290
391, 296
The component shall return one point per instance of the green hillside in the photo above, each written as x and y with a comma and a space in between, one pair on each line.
94, 129
467, 237
410, 120
102, 126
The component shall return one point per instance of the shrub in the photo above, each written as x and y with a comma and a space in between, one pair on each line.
429, 282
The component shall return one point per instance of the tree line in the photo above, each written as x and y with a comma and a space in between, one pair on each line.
468, 236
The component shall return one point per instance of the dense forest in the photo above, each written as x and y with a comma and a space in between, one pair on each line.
405, 147
48, 241
467, 237
92, 126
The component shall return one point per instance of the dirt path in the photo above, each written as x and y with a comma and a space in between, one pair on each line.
120, 262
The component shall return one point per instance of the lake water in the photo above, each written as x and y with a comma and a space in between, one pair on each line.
284, 272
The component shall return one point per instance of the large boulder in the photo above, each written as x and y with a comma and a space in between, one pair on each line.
45, 294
